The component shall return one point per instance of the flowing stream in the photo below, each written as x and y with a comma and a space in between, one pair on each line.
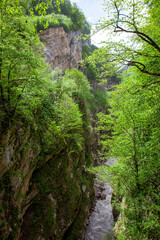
101, 221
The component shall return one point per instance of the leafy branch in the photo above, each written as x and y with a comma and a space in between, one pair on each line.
128, 23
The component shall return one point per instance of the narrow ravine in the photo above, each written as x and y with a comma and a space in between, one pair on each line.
101, 220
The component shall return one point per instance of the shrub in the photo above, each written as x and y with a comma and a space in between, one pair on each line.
53, 20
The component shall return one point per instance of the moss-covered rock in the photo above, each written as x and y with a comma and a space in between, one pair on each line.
43, 195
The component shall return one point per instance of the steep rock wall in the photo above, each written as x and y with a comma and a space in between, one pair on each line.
42, 196
63, 50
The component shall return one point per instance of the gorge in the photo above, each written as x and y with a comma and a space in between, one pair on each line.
45, 191
66, 107
45, 195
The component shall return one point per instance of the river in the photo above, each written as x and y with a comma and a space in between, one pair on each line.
101, 220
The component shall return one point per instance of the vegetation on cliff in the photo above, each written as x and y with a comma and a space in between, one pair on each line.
65, 15
28, 85
45, 122
44, 136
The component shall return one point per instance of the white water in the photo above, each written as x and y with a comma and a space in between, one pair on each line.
101, 221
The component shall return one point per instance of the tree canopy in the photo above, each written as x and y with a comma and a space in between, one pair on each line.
137, 23
131, 130
58, 13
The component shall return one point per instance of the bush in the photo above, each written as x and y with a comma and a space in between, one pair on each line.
53, 20
60, 114
101, 98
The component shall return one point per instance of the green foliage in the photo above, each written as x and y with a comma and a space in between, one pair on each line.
87, 50
53, 20
77, 17
133, 123
105, 66
56, 106
134, 141
82, 91
86, 29
21, 65
90, 67
93, 71
43, 7
51, 108
133, 37
58, 110
101, 97
63, 14
66, 8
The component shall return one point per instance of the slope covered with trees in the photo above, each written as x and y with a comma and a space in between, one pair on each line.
133, 122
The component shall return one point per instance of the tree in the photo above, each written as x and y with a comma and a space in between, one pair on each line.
133, 123
134, 141
21, 64
138, 24
66, 8
77, 17
57, 13
42, 7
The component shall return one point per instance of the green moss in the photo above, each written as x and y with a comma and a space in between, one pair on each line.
11, 235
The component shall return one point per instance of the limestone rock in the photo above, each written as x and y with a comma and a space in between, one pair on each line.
63, 50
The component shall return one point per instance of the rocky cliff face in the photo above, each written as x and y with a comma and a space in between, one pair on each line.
44, 196
63, 50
